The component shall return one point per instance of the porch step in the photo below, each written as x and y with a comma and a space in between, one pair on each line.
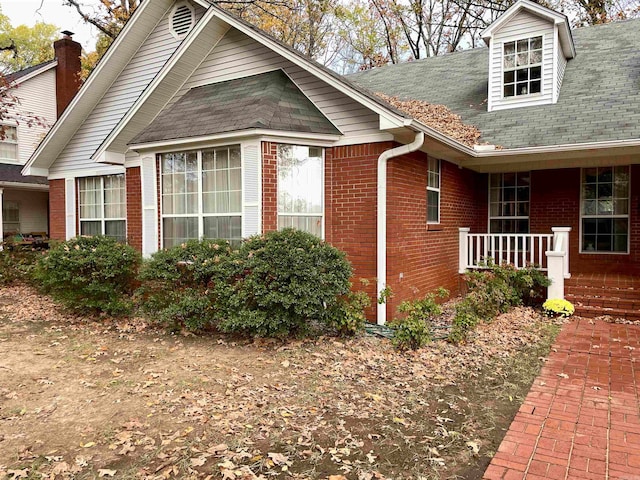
615, 296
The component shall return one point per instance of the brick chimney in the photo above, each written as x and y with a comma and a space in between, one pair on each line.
68, 54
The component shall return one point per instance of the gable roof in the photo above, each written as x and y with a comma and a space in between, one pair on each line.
599, 99
266, 101
22, 75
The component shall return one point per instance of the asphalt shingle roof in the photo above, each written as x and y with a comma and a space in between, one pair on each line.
265, 101
12, 77
11, 173
599, 99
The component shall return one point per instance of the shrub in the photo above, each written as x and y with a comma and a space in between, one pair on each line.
90, 273
464, 320
16, 265
176, 282
348, 318
556, 307
413, 330
282, 283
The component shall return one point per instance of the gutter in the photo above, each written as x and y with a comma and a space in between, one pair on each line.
381, 244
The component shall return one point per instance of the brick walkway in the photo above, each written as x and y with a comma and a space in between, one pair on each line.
581, 418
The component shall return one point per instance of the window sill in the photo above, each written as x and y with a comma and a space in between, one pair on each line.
603, 253
434, 227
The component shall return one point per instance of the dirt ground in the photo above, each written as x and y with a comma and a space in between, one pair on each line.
119, 398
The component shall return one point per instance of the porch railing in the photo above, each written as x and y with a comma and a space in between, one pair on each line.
520, 250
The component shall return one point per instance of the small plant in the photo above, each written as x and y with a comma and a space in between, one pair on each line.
556, 307
413, 330
464, 321
16, 265
282, 283
348, 317
385, 294
176, 283
90, 273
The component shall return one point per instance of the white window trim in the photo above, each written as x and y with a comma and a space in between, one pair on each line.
627, 216
15, 142
435, 189
102, 218
516, 98
176, 35
322, 187
200, 215
503, 217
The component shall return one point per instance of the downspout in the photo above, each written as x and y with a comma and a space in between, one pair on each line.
382, 217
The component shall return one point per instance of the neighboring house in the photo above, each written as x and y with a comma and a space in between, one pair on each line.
43, 91
196, 124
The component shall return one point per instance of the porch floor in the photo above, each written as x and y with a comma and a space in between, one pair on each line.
581, 418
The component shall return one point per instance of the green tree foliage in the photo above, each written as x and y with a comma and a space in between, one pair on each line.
24, 46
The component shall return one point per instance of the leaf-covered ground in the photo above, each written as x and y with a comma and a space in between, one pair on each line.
118, 398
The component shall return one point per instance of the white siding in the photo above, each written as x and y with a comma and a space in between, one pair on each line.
237, 56
522, 25
561, 65
145, 64
37, 96
32, 208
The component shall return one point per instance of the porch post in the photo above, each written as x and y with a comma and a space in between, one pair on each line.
463, 249
562, 234
1, 220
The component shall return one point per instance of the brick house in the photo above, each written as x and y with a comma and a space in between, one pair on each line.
196, 124
43, 91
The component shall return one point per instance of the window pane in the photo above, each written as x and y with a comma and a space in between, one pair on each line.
226, 228
116, 229
433, 199
311, 224
90, 228
8, 144
178, 230
299, 180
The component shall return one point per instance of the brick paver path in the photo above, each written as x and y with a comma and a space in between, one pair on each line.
581, 418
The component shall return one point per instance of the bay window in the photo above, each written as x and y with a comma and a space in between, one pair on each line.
605, 209
102, 206
201, 195
300, 188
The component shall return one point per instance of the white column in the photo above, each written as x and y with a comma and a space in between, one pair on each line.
555, 272
562, 234
1, 220
463, 249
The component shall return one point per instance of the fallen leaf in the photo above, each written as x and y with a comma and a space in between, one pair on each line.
103, 472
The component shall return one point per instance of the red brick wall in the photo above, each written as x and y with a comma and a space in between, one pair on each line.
269, 186
134, 207
555, 202
57, 214
421, 258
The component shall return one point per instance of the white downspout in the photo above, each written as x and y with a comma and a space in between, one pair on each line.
382, 217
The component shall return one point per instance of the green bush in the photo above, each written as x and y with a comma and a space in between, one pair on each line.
348, 318
494, 290
90, 273
282, 283
413, 329
176, 283
16, 265
556, 307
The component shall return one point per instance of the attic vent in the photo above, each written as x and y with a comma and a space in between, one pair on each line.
182, 20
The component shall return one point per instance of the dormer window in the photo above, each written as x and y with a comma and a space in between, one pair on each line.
522, 67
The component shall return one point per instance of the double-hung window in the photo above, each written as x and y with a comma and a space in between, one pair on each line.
300, 188
433, 191
9, 143
605, 209
201, 195
509, 202
522, 67
10, 216
102, 205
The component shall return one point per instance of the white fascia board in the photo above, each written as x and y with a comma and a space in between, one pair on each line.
35, 171
184, 46
226, 137
25, 186
569, 147
112, 158
296, 58
99, 170
35, 73
97, 85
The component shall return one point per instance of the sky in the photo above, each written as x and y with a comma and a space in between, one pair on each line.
28, 12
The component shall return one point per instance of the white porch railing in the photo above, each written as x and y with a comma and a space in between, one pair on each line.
547, 251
